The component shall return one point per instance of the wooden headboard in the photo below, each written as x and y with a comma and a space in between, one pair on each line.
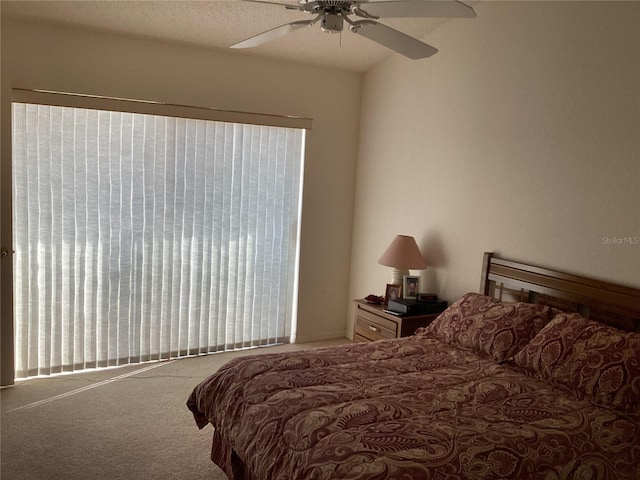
605, 302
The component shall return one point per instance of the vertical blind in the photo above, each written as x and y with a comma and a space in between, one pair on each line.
142, 237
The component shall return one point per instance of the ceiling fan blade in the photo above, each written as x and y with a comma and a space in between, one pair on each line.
393, 39
417, 8
273, 33
290, 6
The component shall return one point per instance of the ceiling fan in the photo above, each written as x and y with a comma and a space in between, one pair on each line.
333, 13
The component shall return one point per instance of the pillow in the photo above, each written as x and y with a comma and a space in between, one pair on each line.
594, 361
490, 328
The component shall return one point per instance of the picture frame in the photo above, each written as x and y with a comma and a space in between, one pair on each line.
393, 292
410, 286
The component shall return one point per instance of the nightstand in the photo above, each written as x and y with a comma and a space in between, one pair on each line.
372, 323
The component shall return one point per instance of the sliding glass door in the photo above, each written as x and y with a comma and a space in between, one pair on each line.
141, 237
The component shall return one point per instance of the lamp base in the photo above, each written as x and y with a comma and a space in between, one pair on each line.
397, 275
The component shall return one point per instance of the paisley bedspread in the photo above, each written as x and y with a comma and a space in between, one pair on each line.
410, 408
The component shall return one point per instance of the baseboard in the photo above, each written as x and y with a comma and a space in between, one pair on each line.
318, 337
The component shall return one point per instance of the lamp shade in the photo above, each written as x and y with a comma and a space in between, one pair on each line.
403, 253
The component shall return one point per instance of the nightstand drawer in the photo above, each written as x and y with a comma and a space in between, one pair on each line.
378, 320
373, 327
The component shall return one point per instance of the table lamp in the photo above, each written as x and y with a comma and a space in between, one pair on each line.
402, 255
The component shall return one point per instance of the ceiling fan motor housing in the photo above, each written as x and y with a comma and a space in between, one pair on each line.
324, 5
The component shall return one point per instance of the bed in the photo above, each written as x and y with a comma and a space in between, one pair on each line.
536, 376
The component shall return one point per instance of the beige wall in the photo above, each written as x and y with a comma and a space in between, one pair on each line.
63, 59
521, 136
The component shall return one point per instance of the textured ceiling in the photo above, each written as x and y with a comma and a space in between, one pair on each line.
220, 23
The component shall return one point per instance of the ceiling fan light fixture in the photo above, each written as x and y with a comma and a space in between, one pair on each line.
332, 23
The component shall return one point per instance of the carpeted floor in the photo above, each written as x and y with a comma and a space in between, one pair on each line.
125, 423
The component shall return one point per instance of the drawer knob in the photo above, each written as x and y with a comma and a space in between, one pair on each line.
375, 329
